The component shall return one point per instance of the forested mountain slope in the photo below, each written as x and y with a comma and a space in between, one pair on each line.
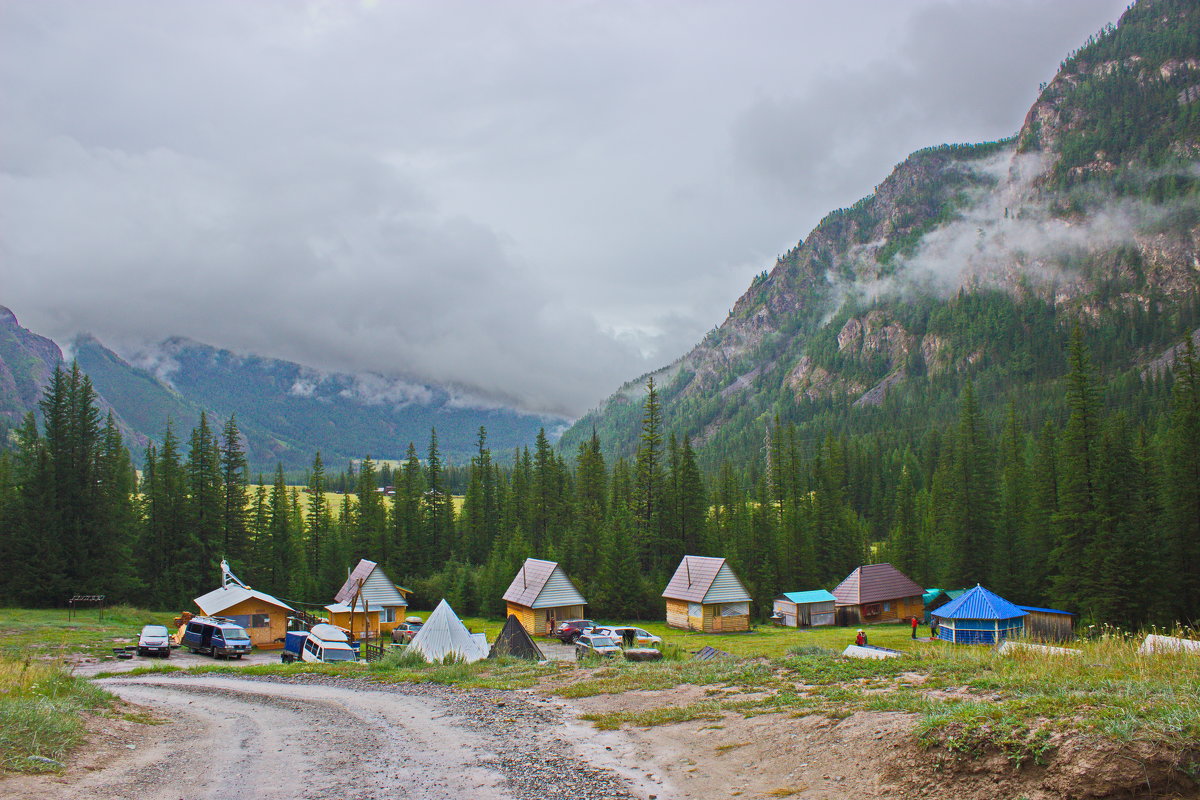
970, 261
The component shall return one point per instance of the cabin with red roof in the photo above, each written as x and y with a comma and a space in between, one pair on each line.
878, 593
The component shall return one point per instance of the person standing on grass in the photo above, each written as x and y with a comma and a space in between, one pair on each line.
861, 638
914, 627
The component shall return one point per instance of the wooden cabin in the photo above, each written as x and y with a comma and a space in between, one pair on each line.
979, 616
354, 619
369, 587
541, 595
264, 617
705, 595
878, 593
1049, 624
805, 609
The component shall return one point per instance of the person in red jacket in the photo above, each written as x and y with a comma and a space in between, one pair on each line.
861, 638
914, 627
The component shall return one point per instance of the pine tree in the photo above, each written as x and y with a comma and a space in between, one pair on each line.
648, 483
1076, 520
1181, 491
235, 497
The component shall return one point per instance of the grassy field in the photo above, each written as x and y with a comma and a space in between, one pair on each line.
966, 698
47, 633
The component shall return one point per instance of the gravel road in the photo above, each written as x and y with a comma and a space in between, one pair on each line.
318, 737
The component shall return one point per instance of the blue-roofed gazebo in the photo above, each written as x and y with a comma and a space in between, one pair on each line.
979, 616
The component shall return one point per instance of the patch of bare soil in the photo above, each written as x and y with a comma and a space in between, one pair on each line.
865, 756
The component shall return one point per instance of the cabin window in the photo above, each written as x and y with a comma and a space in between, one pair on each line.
887, 606
735, 609
695, 610
387, 614
870, 610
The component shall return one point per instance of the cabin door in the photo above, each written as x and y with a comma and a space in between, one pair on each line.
716, 622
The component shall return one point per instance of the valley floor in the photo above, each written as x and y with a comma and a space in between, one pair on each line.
322, 736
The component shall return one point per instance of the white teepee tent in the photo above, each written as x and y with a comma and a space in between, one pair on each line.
444, 633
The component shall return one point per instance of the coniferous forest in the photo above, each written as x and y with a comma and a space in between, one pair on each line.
1096, 512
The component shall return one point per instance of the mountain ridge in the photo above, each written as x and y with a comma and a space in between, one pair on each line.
285, 410
1071, 219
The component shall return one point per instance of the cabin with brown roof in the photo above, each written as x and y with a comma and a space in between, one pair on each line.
368, 601
705, 595
877, 593
541, 595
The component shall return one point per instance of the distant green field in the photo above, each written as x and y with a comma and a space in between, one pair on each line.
333, 500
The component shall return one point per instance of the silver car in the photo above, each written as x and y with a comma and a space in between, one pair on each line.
155, 640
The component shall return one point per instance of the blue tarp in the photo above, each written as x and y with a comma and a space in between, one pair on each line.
979, 603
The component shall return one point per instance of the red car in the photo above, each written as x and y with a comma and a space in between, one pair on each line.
570, 629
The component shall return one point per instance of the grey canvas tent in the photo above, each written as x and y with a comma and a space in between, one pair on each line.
443, 633
516, 642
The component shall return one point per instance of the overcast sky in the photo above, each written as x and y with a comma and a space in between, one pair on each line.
537, 199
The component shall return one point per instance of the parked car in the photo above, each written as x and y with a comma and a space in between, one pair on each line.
569, 630
154, 639
216, 636
634, 637
405, 631
324, 643
595, 644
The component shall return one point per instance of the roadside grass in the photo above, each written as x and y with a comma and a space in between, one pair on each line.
40, 705
47, 633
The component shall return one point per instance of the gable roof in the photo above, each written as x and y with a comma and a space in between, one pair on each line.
979, 603
377, 588
515, 641
814, 596
229, 596
444, 633
543, 584
701, 579
872, 583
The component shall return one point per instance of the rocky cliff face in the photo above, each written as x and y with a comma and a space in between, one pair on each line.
27, 362
1073, 212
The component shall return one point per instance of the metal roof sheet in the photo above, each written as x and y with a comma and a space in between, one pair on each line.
697, 575
872, 583
543, 584
377, 588
1048, 611
814, 596
979, 603
225, 597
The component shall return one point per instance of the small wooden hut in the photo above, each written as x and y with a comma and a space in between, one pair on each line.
705, 595
368, 587
264, 617
541, 593
514, 641
1049, 624
877, 593
805, 609
979, 617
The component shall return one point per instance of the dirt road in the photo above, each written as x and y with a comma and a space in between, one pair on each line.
323, 738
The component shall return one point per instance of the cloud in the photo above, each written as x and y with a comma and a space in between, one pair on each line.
532, 202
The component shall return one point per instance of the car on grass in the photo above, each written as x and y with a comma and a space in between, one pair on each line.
596, 644
570, 629
630, 636
405, 631
154, 640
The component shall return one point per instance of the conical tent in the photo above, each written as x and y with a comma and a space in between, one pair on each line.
443, 633
515, 641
